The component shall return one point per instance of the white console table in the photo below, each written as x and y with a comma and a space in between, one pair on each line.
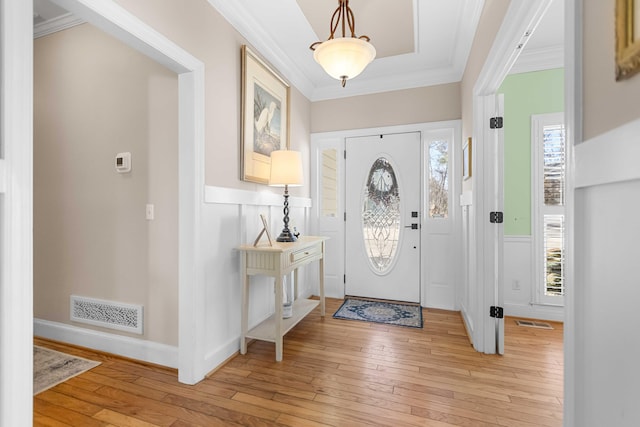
276, 261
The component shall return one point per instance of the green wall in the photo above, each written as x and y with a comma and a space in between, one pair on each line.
524, 95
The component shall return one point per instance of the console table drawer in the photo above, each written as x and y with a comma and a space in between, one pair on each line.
306, 253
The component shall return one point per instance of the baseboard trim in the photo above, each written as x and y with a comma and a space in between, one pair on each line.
468, 323
539, 312
133, 348
216, 359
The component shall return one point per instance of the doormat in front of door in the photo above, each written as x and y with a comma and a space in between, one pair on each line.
390, 313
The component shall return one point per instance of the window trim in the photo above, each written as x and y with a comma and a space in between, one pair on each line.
538, 122
439, 224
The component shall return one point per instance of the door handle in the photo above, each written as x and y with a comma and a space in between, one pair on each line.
413, 226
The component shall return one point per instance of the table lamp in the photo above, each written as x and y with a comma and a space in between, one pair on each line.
286, 170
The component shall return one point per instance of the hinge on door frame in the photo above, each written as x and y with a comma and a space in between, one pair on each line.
496, 122
345, 154
345, 216
497, 312
344, 278
496, 217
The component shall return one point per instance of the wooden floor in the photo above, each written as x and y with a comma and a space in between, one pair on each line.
335, 373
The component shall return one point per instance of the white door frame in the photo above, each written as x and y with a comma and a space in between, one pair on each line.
17, 107
336, 139
16, 212
573, 135
521, 19
119, 23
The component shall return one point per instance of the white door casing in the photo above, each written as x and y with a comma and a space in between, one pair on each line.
520, 20
16, 212
439, 267
383, 216
494, 249
119, 23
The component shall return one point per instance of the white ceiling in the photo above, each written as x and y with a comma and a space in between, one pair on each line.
418, 42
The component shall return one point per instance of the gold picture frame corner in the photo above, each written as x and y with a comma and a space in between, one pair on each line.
627, 53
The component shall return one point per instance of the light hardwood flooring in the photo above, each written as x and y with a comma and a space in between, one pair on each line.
334, 373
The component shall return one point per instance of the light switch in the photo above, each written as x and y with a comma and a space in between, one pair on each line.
150, 213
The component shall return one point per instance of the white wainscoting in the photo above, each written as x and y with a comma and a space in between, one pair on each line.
606, 288
231, 218
519, 294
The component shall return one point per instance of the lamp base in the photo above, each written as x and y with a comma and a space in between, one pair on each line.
286, 236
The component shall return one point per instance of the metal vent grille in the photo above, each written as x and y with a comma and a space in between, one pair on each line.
532, 324
107, 314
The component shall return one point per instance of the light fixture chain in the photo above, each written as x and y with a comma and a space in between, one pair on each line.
351, 20
335, 22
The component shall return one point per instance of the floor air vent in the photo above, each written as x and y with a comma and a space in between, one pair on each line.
531, 324
107, 314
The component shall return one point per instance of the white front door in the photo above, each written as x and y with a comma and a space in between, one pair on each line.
383, 200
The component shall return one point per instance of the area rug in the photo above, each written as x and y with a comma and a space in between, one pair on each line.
390, 313
51, 368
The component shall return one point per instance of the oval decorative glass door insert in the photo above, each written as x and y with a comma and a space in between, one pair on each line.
381, 215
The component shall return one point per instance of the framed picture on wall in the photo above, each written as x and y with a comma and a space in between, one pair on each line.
466, 159
627, 38
265, 117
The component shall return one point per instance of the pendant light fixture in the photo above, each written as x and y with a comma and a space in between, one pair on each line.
343, 57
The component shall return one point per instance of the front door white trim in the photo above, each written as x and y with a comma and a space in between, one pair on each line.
336, 139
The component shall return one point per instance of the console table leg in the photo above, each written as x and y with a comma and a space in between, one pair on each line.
278, 319
321, 268
245, 308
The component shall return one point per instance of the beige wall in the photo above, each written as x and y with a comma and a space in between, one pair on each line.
490, 21
93, 98
96, 97
199, 29
420, 105
607, 104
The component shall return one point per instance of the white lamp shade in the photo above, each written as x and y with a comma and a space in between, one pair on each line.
344, 57
286, 169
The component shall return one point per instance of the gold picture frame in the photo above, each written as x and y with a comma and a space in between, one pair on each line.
467, 159
265, 117
627, 38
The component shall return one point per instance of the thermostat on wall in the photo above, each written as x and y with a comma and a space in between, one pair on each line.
123, 162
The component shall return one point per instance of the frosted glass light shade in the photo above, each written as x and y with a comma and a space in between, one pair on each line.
286, 169
344, 57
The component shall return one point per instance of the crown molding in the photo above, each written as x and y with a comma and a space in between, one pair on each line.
381, 76
379, 84
241, 19
56, 24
